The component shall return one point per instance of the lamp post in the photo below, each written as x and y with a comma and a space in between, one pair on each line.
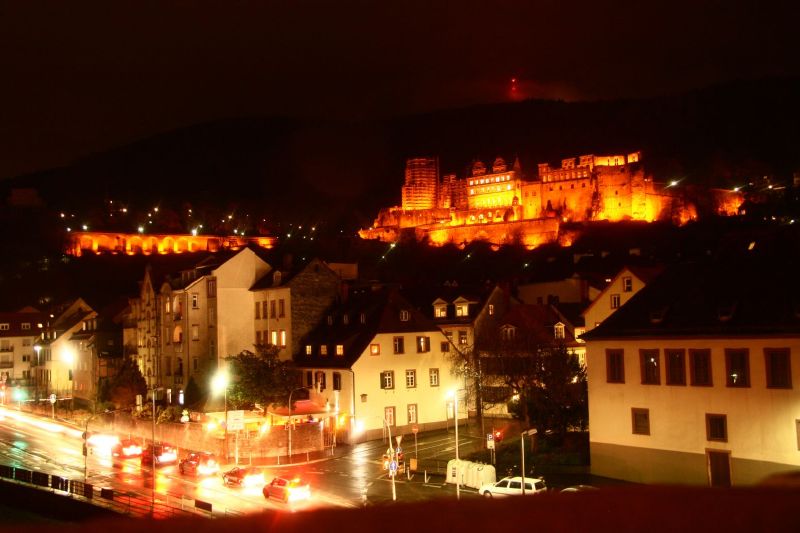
220, 384
458, 461
289, 424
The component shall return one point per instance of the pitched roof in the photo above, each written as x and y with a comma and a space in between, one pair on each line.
731, 297
381, 311
536, 320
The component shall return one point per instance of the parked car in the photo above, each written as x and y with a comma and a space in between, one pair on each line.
512, 486
165, 454
199, 464
126, 448
249, 476
288, 490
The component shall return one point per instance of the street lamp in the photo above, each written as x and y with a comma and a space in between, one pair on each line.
219, 383
289, 425
454, 394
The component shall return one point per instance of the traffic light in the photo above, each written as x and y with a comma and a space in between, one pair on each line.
498, 436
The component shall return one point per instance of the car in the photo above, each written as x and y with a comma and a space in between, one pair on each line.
199, 464
126, 448
288, 490
512, 486
249, 476
165, 454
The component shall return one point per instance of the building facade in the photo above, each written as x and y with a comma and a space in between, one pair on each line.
694, 381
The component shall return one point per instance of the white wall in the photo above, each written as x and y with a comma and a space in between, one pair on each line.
761, 422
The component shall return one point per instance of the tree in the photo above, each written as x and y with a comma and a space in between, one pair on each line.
193, 396
126, 385
260, 377
545, 377
558, 399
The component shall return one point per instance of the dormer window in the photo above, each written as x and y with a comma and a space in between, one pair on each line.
309, 350
462, 310
558, 331
404, 316
440, 311
508, 332
491, 309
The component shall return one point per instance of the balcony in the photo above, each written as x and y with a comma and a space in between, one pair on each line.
6, 363
5, 349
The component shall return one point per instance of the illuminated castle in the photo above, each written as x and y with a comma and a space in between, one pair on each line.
499, 205
80, 242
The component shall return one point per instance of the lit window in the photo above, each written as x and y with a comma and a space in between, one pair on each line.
323, 349
375, 349
274, 337
339, 349
491, 309
559, 331
308, 349
423, 344
440, 311
283, 338
462, 310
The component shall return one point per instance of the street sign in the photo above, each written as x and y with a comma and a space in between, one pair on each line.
415, 429
393, 466
235, 420
398, 439
52, 398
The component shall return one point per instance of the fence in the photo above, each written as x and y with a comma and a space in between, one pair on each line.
126, 503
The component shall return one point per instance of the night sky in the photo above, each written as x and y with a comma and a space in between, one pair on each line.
85, 76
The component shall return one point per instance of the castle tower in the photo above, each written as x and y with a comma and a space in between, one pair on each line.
422, 178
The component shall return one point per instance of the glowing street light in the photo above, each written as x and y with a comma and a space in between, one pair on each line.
219, 384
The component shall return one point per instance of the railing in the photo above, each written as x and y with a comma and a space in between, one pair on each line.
128, 503
6, 364
6, 348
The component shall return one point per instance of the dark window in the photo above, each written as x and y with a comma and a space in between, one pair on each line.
651, 373
309, 378
640, 419
717, 427
627, 284
700, 361
399, 345
779, 368
272, 305
737, 366
615, 366
676, 367
337, 381
281, 308
445, 346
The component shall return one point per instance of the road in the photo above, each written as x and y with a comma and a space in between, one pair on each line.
352, 478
